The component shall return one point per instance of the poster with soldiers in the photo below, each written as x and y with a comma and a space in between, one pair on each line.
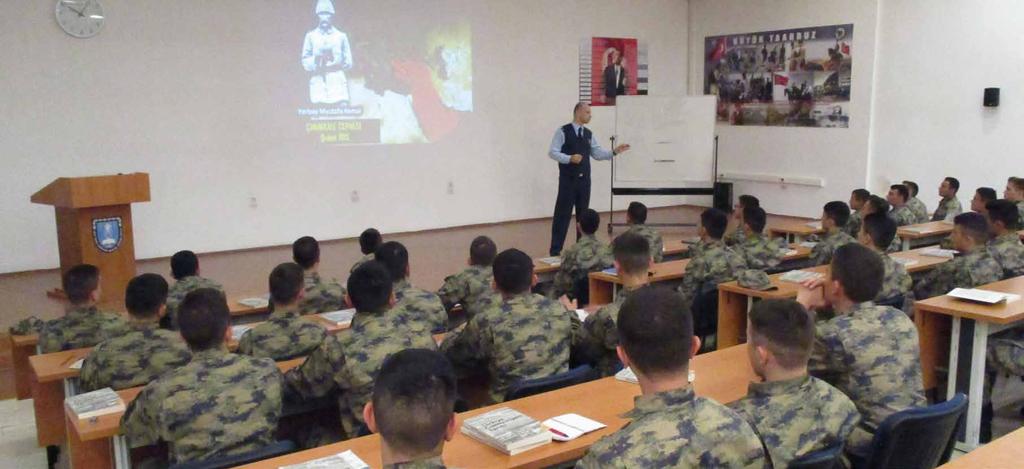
789, 78
611, 67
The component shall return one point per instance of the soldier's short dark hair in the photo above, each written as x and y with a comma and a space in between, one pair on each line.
203, 318
144, 295
878, 204
861, 194
637, 213
881, 229
369, 287
184, 264
589, 220
755, 218
974, 225
482, 251
785, 328
414, 399
859, 270
1004, 211
747, 200
632, 252
714, 222
395, 258
370, 240
902, 190
79, 282
987, 194
513, 271
1016, 182
306, 251
656, 330
838, 212
911, 188
286, 280
954, 183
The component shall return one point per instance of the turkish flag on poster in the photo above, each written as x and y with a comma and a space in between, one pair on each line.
718, 51
781, 80
845, 48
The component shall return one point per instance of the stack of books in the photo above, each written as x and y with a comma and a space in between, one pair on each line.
339, 318
345, 460
799, 276
507, 430
238, 331
94, 404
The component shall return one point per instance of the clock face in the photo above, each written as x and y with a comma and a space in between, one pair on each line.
80, 18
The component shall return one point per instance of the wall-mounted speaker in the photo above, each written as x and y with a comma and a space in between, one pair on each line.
991, 97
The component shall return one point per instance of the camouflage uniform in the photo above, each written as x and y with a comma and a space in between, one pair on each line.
29, 325
822, 252
599, 335
361, 261
525, 336
1006, 353
738, 236
587, 255
759, 252
678, 429
285, 335
797, 416
429, 463
1008, 253
219, 404
947, 209
320, 296
919, 210
715, 263
133, 359
346, 364
81, 326
181, 288
1020, 209
969, 270
653, 240
468, 288
903, 216
419, 309
870, 353
852, 227
896, 280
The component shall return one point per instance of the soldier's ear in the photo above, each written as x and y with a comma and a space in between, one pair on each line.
368, 417
617, 265
301, 294
469, 261
348, 301
695, 346
533, 281
160, 313
392, 300
623, 357
451, 429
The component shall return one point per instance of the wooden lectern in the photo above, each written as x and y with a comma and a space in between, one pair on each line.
94, 225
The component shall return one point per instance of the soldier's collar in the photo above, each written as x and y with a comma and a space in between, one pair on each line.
1009, 236
431, 462
144, 325
402, 284
517, 297
662, 401
312, 276
290, 311
860, 306
215, 352
770, 388
80, 310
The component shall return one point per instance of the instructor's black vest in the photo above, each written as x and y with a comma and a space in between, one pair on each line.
575, 145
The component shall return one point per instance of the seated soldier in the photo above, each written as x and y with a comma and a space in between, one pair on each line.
521, 336
877, 204
914, 204
834, 217
142, 353
219, 404
472, 286
739, 233
420, 309
1005, 246
599, 339
901, 212
1014, 192
413, 408
757, 250
949, 206
587, 255
369, 241
982, 197
82, 325
285, 335
670, 426
715, 263
793, 413
346, 365
636, 216
871, 353
972, 267
185, 270
877, 233
318, 296
858, 200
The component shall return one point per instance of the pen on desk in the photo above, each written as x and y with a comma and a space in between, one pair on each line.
556, 432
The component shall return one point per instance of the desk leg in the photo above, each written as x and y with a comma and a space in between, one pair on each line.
22, 370
87, 454
933, 338
970, 375
600, 292
906, 244
732, 318
122, 454
48, 403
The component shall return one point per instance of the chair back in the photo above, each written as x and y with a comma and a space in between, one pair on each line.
275, 449
705, 311
920, 438
894, 301
529, 387
828, 458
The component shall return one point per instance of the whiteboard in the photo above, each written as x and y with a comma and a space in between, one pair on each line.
671, 138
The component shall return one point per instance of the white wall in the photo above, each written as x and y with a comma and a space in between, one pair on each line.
190, 91
838, 156
935, 58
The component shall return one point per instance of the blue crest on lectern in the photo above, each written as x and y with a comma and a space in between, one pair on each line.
107, 233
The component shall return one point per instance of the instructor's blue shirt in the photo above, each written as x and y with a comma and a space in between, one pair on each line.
596, 151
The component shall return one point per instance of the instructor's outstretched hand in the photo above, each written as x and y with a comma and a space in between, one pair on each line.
621, 148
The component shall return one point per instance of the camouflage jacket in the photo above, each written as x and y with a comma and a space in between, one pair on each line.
469, 288
737, 236
919, 210
346, 364
714, 263
947, 209
587, 255
797, 416
903, 216
419, 309
759, 252
134, 358
80, 327
822, 252
600, 336
29, 325
896, 280
285, 335
1006, 353
1020, 209
870, 353
1008, 253
429, 463
678, 429
320, 296
219, 404
181, 288
525, 336
653, 238
969, 270
362, 260
852, 227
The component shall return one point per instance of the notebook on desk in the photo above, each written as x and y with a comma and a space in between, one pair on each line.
983, 296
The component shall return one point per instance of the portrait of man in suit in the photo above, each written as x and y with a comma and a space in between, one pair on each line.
615, 75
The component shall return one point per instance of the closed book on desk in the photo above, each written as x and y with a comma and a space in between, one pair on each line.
983, 296
339, 318
507, 430
344, 460
93, 404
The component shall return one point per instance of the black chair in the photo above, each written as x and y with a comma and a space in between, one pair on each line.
895, 302
581, 290
828, 458
917, 438
277, 448
529, 387
705, 313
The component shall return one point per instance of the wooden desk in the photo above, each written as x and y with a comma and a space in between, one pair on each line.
734, 302
923, 263
722, 375
1001, 453
602, 285
545, 272
794, 230
967, 326
922, 231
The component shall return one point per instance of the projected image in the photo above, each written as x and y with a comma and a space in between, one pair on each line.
379, 83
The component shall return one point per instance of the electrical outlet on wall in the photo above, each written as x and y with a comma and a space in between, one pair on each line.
451, 188
355, 196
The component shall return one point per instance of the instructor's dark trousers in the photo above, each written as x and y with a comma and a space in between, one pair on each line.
573, 191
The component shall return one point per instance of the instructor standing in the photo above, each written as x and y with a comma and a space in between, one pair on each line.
572, 147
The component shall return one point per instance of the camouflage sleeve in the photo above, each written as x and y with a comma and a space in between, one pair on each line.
245, 343
820, 254
596, 334
658, 250
827, 354
140, 423
906, 282
89, 377
935, 281
315, 377
454, 290
439, 313
50, 339
693, 276
471, 346
273, 389
566, 271
29, 325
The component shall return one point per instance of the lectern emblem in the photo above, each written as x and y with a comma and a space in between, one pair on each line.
107, 233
